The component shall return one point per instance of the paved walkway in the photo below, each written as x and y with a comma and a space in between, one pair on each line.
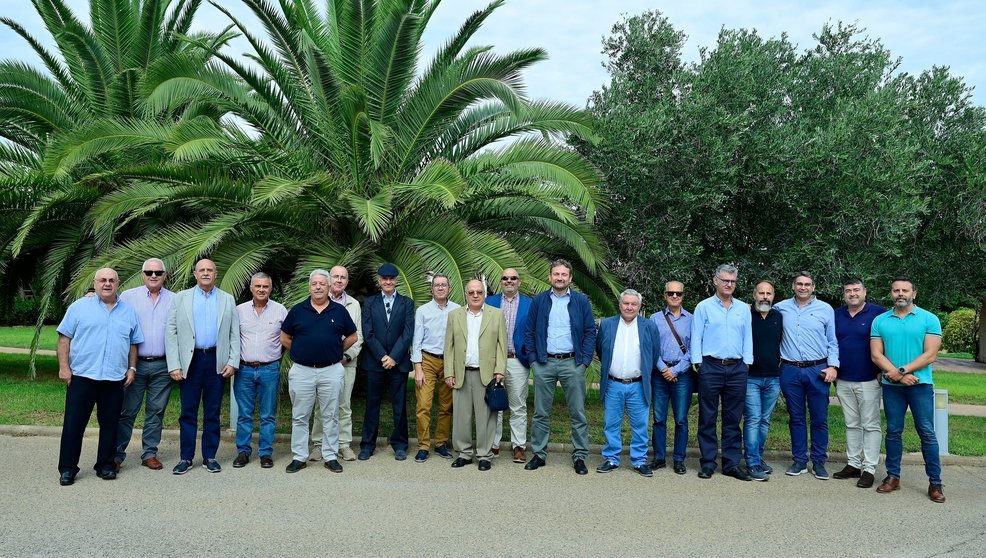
382, 507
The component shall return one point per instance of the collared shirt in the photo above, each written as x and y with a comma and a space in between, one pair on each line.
340, 299
510, 307
903, 338
316, 337
101, 338
721, 332
560, 324
429, 328
153, 316
260, 334
474, 323
809, 331
205, 317
670, 351
853, 333
626, 351
388, 303
767, 335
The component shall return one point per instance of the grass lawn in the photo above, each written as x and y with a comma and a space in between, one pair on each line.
42, 402
21, 337
963, 356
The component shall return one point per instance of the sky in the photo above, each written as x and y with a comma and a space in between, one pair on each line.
923, 33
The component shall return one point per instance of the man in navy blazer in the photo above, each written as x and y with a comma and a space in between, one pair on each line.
560, 337
629, 347
515, 308
388, 329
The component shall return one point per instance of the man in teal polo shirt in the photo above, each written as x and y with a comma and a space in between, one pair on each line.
903, 344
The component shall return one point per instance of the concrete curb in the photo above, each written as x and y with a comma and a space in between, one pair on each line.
594, 449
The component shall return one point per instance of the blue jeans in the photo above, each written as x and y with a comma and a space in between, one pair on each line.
680, 396
921, 399
250, 383
761, 396
620, 396
802, 389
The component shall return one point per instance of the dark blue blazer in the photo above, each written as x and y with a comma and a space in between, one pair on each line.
381, 337
519, 325
583, 328
650, 351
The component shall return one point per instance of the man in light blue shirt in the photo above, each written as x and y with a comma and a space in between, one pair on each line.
428, 358
152, 302
722, 350
97, 351
809, 364
672, 381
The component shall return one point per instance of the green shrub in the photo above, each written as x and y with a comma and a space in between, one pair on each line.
23, 311
959, 336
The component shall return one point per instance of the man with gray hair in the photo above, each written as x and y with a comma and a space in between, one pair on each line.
722, 352
260, 370
629, 347
428, 359
317, 332
152, 302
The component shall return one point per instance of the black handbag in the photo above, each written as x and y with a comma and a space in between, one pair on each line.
496, 396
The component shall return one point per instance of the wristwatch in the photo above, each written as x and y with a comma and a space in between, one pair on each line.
901, 371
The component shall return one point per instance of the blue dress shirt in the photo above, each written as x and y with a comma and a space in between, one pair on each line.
153, 317
205, 318
560, 325
101, 338
670, 351
721, 332
809, 331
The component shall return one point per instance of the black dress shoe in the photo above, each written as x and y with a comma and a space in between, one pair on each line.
241, 460
461, 462
108, 474
333, 465
655, 465
738, 474
580, 468
706, 473
484, 465
679, 467
67, 478
534, 463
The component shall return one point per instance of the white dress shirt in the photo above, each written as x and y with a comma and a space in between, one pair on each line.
474, 322
626, 351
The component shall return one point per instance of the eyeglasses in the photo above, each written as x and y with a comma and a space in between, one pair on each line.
674, 293
509, 278
474, 293
440, 285
727, 281
109, 280
154, 272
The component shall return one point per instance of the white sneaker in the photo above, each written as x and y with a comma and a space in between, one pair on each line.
316, 454
347, 453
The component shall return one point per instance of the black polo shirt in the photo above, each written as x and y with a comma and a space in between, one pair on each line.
317, 337
767, 334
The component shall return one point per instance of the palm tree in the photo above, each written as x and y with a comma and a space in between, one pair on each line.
355, 157
92, 81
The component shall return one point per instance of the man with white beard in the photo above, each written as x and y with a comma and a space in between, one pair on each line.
763, 385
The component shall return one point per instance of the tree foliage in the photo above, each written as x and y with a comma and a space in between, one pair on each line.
829, 159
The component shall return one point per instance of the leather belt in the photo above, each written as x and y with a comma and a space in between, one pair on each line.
206, 350
472, 368
672, 363
436, 355
151, 359
561, 356
511, 355
319, 364
722, 361
805, 363
255, 364
624, 380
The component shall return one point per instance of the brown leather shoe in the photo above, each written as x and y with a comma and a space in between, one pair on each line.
889, 485
496, 452
848, 472
116, 464
152, 463
936, 493
519, 456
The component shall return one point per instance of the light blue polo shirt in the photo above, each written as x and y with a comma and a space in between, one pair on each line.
903, 338
101, 338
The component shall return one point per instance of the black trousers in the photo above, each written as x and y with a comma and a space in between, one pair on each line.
377, 385
80, 397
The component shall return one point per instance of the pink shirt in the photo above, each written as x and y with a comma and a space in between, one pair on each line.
260, 335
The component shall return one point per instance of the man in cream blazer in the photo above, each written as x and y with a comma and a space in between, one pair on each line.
475, 354
202, 344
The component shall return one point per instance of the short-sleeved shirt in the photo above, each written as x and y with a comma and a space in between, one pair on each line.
260, 334
853, 333
903, 338
101, 338
316, 337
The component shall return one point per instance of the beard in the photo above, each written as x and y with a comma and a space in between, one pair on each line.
763, 306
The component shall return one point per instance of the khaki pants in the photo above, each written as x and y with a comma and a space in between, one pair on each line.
470, 401
345, 411
434, 371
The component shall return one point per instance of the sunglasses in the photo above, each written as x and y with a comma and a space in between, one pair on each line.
475, 293
509, 278
154, 272
674, 293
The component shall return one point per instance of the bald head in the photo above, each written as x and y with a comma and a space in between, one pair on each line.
338, 280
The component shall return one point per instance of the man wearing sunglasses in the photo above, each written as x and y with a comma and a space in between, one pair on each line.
673, 380
152, 302
515, 307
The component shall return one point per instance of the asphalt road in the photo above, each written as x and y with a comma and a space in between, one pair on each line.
386, 508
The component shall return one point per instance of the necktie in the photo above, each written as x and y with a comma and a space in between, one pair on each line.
387, 306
